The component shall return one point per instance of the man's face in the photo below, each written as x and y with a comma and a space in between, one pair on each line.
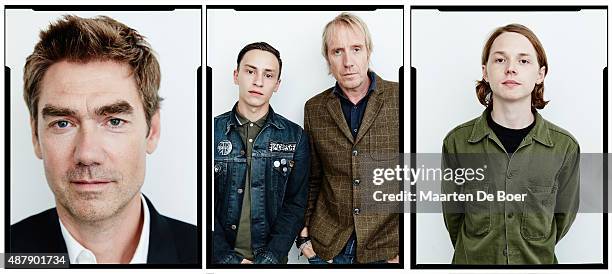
512, 69
92, 137
257, 77
348, 57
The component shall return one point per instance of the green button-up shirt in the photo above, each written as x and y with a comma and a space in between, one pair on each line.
248, 132
544, 171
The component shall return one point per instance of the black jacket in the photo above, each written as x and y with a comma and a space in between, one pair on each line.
170, 241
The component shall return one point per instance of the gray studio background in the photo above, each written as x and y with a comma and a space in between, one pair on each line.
297, 35
170, 180
446, 49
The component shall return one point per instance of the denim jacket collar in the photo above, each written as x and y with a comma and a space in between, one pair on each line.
232, 122
540, 131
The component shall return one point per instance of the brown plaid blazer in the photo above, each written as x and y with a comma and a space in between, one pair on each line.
334, 195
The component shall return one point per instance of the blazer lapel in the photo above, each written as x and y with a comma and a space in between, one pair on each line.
374, 105
335, 111
162, 249
54, 239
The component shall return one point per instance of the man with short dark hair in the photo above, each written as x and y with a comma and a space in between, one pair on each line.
91, 87
261, 168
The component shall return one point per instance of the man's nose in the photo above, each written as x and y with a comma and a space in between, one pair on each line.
88, 146
258, 79
511, 68
347, 60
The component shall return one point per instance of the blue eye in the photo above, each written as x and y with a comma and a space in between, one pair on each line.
115, 122
62, 124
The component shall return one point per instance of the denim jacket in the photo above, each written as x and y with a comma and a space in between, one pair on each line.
279, 186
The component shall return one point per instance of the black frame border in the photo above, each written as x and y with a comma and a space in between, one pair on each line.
413, 143
7, 119
210, 136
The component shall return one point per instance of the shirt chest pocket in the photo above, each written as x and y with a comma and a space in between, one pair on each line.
538, 212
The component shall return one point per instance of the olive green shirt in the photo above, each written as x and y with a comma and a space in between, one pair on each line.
248, 132
544, 168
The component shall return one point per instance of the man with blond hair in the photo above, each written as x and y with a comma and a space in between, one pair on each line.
356, 117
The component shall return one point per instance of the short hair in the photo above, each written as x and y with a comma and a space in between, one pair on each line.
348, 20
260, 46
81, 40
483, 89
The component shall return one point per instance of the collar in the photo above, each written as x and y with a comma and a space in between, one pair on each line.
271, 119
338, 91
242, 120
78, 254
539, 132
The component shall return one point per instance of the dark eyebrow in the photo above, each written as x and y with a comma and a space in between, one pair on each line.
256, 68
119, 107
51, 110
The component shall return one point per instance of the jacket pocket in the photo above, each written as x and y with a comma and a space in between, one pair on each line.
538, 212
387, 233
281, 170
384, 140
477, 213
323, 230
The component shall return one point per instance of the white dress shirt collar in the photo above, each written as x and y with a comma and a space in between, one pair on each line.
78, 254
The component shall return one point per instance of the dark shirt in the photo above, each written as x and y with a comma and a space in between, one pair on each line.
248, 132
353, 113
510, 138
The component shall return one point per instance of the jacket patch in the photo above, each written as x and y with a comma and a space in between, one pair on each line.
282, 147
224, 147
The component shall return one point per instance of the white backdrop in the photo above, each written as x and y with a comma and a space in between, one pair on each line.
170, 180
297, 35
446, 49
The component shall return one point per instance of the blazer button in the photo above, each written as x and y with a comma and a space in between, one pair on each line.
355, 152
356, 211
233, 227
356, 182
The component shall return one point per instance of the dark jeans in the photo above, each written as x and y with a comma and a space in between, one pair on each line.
346, 256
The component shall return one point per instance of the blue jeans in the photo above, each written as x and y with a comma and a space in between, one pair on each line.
346, 256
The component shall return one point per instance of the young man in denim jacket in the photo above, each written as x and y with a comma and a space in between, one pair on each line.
261, 168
